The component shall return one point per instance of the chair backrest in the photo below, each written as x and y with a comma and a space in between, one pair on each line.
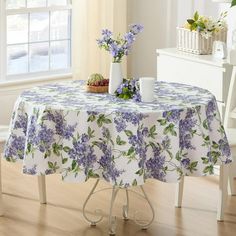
230, 111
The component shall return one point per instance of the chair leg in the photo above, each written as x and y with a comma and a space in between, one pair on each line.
42, 189
1, 201
232, 171
179, 193
223, 179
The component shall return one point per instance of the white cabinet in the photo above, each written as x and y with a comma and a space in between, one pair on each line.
199, 70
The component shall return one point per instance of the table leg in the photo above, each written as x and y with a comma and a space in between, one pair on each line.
145, 225
179, 193
223, 179
42, 189
126, 207
1, 201
112, 219
98, 212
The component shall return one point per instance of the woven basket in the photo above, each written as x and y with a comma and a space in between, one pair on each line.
97, 89
193, 42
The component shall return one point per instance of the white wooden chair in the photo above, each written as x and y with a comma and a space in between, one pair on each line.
41, 179
227, 173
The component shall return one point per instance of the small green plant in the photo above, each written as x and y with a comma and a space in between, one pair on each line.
206, 25
233, 3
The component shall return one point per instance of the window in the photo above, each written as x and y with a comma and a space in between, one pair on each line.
36, 37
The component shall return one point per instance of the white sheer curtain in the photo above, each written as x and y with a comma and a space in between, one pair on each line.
89, 18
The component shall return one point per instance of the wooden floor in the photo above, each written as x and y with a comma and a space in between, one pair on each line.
62, 216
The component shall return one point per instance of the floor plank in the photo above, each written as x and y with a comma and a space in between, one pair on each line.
62, 216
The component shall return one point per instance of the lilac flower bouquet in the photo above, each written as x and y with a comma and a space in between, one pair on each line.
120, 46
129, 89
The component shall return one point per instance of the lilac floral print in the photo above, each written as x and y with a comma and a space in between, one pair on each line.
59, 128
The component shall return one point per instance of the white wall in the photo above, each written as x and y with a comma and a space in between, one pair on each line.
160, 18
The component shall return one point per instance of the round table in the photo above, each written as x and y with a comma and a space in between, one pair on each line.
60, 128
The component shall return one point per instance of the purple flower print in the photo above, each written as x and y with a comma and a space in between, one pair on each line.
224, 147
40, 137
83, 153
21, 123
185, 162
123, 118
30, 171
145, 131
62, 129
185, 127
155, 168
15, 148
172, 116
210, 112
107, 163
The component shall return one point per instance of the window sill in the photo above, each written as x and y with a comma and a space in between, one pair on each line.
22, 82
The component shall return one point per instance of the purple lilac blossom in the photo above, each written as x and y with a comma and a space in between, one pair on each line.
30, 171
172, 116
83, 153
210, 112
136, 28
15, 148
185, 162
41, 137
21, 123
224, 147
107, 163
155, 167
185, 127
62, 129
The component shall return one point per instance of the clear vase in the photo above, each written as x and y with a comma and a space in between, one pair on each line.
116, 77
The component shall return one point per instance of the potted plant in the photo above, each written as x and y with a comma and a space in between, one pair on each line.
118, 47
199, 33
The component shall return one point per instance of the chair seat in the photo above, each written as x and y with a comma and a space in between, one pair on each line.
231, 135
3, 133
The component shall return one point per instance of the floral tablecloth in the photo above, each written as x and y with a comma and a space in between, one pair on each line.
60, 128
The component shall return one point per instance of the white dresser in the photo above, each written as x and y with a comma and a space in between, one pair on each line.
198, 70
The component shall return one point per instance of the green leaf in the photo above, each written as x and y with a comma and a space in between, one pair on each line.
130, 151
205, 125
90, 133
233, 3
119, 141
107, 121
205, 160
209, 169
74, 164
153, 129
140, 172
50, 165
66, 149
177, 156
64, 160
196, 16
135, 183
190, 21
215, 145
128, 133
91, 118
162, 122
170, 129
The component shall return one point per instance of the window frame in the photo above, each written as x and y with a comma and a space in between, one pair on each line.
3, 42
